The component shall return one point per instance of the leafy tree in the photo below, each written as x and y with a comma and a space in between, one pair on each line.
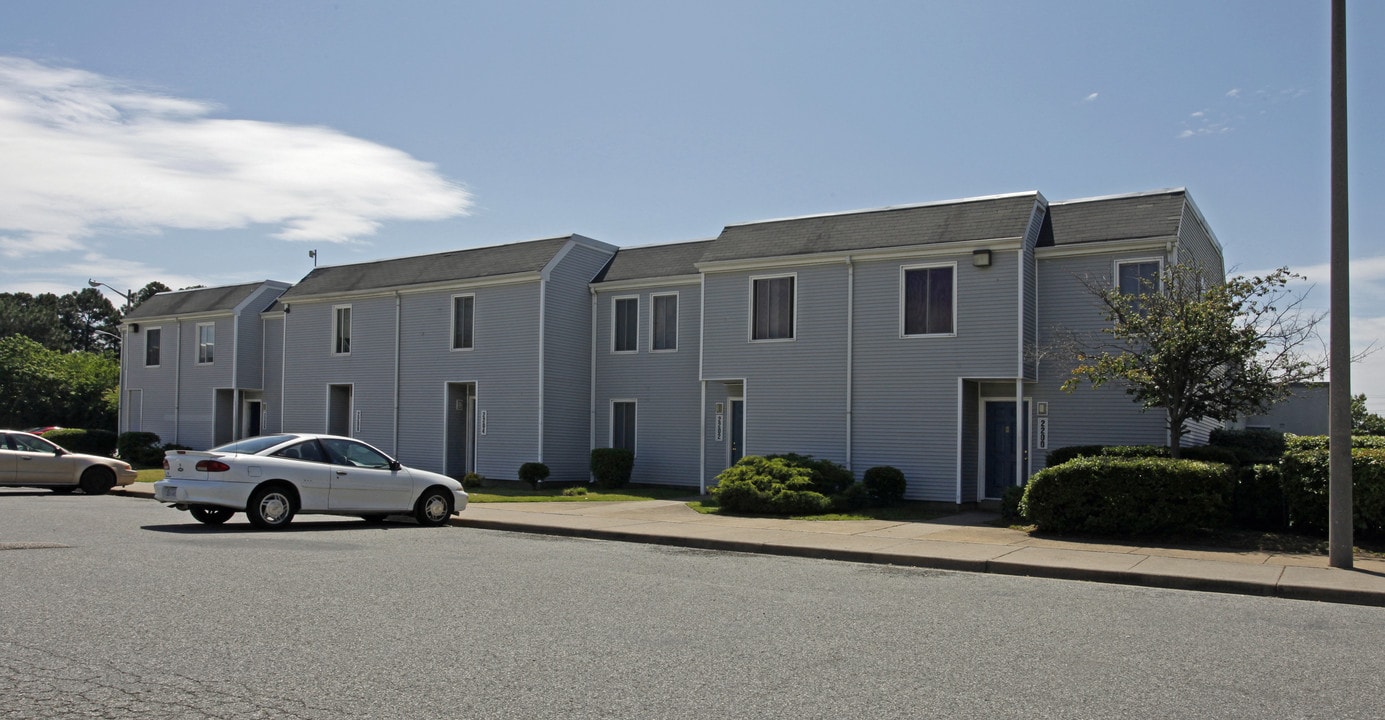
148, 291
40, 386
1363, 421
89, 320
1201, 349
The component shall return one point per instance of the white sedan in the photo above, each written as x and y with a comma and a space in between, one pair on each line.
271, 478
28, 460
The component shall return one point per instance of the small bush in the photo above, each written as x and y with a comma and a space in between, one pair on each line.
533, 473
885, 484
1259, 498
1252, 447
611, 467
89, 442
1125, 496
576, 491
829, 478
473, 480
768, 485
140, 448
854, 497
1010, 505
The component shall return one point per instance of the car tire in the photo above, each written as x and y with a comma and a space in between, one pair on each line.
434, 507
271, 507
211, 515
374, 519
97, 480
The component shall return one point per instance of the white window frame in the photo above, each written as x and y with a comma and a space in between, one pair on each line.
453, 333
209, 357
147, 331
336, 329
654, 314
635, 439
615, 314
903, 275
1158, 274
750, 307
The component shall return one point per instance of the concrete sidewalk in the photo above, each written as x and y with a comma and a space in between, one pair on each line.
965, 542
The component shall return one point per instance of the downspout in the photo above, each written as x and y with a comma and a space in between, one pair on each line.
543, 302
702, 379
284, 370
398, 332
178, 386
702, 442
235, 376
1021, 431
591, 412
850, 350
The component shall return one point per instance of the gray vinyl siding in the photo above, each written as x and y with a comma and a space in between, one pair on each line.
905, 397
272, 419
157, 413
1104, 416
717, 451
664, 384
795, 390
1196, 244
198, 382
567, 363
503, 365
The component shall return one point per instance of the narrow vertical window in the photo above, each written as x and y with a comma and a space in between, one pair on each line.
772, 308
623, 425
341, 330
664, 323
153, 338
206, 343
928, 300
463, 327
626, 325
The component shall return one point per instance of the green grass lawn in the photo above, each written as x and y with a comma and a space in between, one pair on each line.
150, 475
903, 512
493, 493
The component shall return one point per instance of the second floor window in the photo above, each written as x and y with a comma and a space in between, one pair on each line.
341, 330
463, 327
1138, 278
928, 300
772, 308
664, 323
626, 325
206, 343
153, 339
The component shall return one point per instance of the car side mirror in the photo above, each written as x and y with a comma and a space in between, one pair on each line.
59, 452
396, 466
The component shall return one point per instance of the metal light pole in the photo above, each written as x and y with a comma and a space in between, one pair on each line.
129, 295
1339, 510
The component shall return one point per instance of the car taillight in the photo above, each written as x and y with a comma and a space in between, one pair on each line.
165, 464
212, 466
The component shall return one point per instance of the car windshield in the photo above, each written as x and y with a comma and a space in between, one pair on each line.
254, 445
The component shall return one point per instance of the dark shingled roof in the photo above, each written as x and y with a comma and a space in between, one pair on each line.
988, 218
197, 300
483, 262
655, 261
1120, 217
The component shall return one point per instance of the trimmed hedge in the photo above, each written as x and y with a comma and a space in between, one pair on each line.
1259, 498
1072, 452
612, 467
1305, 478
140, 448
90, 442
1319, 442
769, 485
1128, 497
1252, 447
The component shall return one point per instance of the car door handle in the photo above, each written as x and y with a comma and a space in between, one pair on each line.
341, 472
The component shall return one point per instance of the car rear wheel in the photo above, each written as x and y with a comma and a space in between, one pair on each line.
270, 508
211, 515
97, 480
434, 507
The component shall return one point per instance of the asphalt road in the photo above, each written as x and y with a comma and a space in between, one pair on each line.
117, 608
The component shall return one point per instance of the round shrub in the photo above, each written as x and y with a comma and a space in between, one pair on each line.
1010, 505
1126, 497
611, 467
533, 473
473, 480
885, 484
768, 485
140, 448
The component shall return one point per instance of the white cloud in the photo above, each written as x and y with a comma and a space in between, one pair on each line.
85, 154
1091, 98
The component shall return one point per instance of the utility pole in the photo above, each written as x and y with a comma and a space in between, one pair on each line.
1339, 505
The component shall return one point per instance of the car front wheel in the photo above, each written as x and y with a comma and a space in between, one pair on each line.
97, 480
211, 515
434, 507
270, 508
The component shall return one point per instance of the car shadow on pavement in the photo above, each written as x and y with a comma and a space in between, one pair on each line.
298, 526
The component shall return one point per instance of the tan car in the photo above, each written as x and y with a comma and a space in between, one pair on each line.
30, 461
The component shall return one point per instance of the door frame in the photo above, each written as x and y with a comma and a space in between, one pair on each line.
332, 388
470, 392
1028, 433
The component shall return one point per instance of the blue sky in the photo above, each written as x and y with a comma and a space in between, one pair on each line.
201, 143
